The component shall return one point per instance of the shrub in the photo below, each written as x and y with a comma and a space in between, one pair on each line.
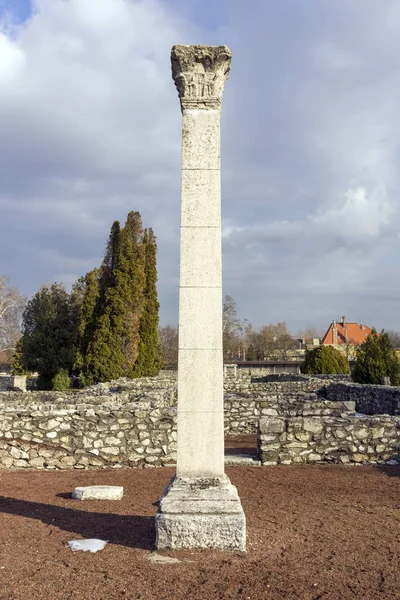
325, 360
376, 359
61, 381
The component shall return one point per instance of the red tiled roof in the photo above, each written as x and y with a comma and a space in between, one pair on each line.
351, 332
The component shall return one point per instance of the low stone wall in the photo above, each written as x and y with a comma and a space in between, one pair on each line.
243, 413
328, 439
299, 385
65, 436
290, 377
369, 399
245, 402
133, 422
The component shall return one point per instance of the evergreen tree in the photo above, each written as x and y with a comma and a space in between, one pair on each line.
391, 359
104, 359
130, 283
148, 361
17, 361
325, 360
87, 322
376, 359
113, 350
111, 259
49, 333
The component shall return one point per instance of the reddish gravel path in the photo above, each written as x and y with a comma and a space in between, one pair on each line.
314, 533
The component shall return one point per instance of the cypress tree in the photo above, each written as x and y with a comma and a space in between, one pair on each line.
104, 359
113, 349
130, 283
87, 322
148, 363
111, 258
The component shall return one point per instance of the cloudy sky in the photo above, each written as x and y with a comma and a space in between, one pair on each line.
90, 129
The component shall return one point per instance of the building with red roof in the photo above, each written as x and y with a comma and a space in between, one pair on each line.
346, 336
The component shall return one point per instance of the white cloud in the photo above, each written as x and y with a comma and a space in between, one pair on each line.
12, 62
360, 216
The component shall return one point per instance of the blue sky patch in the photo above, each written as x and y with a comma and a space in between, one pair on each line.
19, 10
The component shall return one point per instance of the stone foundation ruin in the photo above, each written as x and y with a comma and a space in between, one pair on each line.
133, 423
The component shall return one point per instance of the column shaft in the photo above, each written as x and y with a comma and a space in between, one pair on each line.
200, 371
200, 508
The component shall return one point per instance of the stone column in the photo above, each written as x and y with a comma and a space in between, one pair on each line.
201, 507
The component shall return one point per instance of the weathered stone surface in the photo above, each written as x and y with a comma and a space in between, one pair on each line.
368, 399
330, 439
272, 425
313, 425
199, 73
85, 418
98, 492
201, 508
201, 513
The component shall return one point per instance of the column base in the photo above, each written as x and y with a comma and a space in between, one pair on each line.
200, 513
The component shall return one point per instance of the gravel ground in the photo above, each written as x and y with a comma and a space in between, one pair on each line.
314, 532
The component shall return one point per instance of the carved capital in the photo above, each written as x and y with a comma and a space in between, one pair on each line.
199, 73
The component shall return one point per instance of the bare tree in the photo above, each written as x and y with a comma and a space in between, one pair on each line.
309, 333
168, 345
394, 337
273, 342
232, 330
12, 304
230, 320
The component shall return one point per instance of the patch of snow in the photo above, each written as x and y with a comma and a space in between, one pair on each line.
93, 545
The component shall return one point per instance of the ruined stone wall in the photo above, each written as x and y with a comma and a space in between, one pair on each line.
63, 436
278, 385
369, 399
319, 439
133, 422
245, 401
125, 423
243, 412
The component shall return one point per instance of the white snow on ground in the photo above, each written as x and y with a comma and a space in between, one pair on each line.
93, 545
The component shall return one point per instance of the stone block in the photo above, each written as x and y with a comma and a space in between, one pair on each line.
200, 305
200, 513
98, 492
359, 458
37, 462
313, 425
272, 425
18, 454
200, 256
303, 436
6, 460
201, 140
361, 434
207, 386
200, 448
313, 457
68, 461
200, 198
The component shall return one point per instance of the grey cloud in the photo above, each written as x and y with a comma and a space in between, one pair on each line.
92, 129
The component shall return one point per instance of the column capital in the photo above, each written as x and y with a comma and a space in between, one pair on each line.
199, 73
